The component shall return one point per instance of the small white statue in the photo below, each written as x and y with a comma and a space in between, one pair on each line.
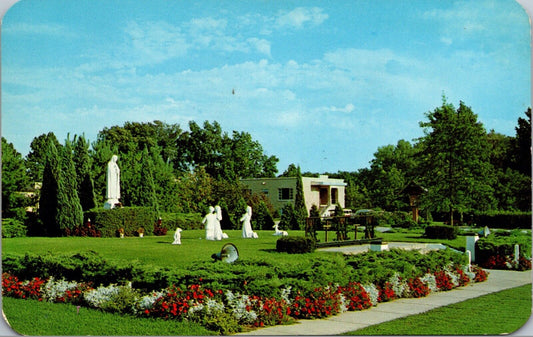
219, 235
246, 218
209, 221
113, 183
177, 237
278, 232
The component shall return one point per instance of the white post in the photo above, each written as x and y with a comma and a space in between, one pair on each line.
469, 254
516, 253
471, 245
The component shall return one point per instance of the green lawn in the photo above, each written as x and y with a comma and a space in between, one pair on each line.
30, 317
154, 250
499, 313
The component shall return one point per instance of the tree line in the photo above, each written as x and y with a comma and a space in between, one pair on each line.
463, 167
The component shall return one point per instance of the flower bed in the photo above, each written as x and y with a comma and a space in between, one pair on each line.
227, 311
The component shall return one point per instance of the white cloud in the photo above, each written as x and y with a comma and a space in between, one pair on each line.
261, 45
153, 42
50, 29
301, 16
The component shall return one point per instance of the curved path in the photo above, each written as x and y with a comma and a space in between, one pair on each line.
353, 320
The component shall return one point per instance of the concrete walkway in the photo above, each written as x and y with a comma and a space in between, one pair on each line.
383, 312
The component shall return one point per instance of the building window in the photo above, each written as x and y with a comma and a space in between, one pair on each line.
285, 194
264, 191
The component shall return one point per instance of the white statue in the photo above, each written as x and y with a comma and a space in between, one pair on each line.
177, 237
246, 219
278, 232
219, 235
113, 183
209, 221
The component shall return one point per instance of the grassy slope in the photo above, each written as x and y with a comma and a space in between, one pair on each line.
494, 314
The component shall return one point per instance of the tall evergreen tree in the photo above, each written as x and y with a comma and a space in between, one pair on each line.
147, 196
300, 211
48, 202
14, 178
69, 213
36, 158
84, 181
456, 161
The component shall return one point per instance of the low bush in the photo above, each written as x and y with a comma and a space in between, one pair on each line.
295, 245
109, 221
13, 228
441, 232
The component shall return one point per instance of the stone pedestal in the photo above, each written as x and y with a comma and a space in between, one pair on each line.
471, 245
379, 247
110, 203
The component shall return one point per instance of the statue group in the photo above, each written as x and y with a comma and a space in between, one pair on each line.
213, 230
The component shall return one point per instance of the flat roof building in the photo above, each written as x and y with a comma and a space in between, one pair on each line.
322, 191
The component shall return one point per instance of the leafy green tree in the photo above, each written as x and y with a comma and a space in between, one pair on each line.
195, 191
69, 213
522, 145
82, 164
291, 171
36, 158
458, 173
14, 179
391, 170
224, 157
261, 217
288, 218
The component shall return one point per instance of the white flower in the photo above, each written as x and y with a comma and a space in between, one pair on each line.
372, 292
285, 295
53, 290
399, 286
97, 297
430, 281
237, 304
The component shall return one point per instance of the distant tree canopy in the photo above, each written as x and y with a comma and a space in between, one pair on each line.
463, 167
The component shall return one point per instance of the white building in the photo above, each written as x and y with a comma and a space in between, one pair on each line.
322, 191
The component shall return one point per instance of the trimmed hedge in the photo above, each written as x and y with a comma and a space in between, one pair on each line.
506, 220
171, 221
109, 221
441, 232
295, 245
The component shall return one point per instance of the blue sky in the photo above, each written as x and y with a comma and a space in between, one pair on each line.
321, 84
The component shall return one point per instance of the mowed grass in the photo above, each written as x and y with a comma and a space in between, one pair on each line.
151, 250
499, 313
34, 318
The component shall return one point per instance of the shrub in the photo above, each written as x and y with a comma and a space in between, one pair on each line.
295, 245
130, 218
441, 232
171, 221
402, 220
13, 228
508, 220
